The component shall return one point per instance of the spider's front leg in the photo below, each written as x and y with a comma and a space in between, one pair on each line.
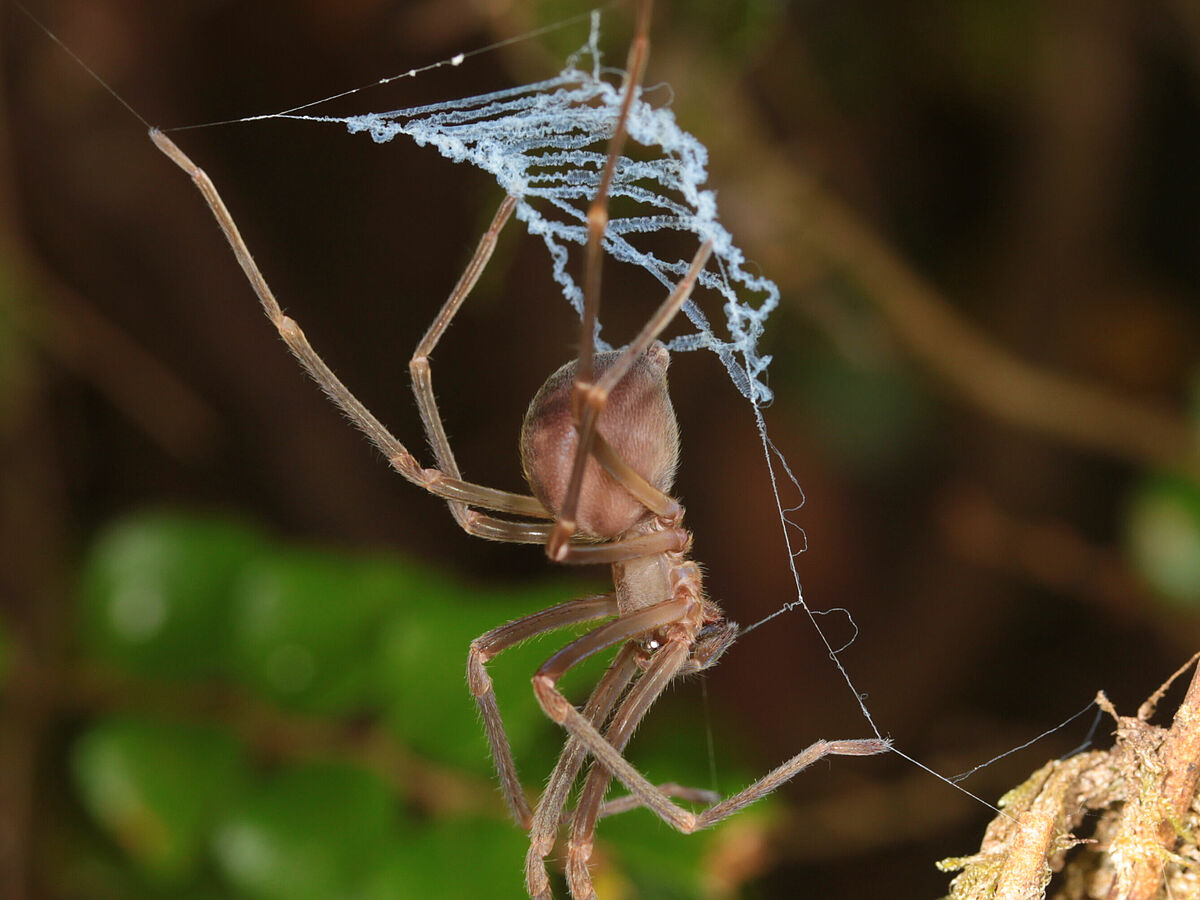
486, 647
611, 763
444, 482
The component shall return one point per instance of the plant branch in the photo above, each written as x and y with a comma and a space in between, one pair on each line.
809, 229
274, 734
1179, 757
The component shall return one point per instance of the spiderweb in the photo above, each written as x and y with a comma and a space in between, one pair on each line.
546, 144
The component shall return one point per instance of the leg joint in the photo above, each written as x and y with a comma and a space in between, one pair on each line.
587, 395
290, 330
554, 704
478, 680
418, 366
597, 219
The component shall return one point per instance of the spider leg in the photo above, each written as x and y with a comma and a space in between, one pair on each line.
448, 478
549, 813
664, 666
597, 215
597, 220
658, 502
606, 749
442, 484
422, 384
670, 788
589, 400
550, 807
486, 647
610, 762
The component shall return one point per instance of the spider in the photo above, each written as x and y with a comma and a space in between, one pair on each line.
599, 446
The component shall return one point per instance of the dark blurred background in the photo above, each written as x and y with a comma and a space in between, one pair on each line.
985, 219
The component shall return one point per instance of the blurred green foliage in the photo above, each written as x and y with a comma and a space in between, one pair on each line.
157, 594
743, 26
307, 833
862, 403
1163, 537
345, 642
157, 787
872, 416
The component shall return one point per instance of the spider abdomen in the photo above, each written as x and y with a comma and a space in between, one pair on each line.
638, 422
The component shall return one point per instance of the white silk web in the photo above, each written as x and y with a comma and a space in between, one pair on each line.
546, 144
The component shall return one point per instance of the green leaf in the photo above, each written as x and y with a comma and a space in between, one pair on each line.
306, 625
421, 675
316, 831
455, 858
1163, 537
155, 593
156, 788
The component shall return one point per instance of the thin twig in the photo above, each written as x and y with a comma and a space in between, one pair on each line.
1051, 553
76, 336
808, 226
1053, 403
275, 735
73, 334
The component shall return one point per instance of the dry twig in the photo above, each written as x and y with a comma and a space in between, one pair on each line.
813, 231
1144, 844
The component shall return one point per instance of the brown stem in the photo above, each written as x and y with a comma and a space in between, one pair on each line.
1056, 404
275, 735
809, 226
77, 337
1180, 760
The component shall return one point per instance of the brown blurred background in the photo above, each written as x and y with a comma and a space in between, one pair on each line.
985, 219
